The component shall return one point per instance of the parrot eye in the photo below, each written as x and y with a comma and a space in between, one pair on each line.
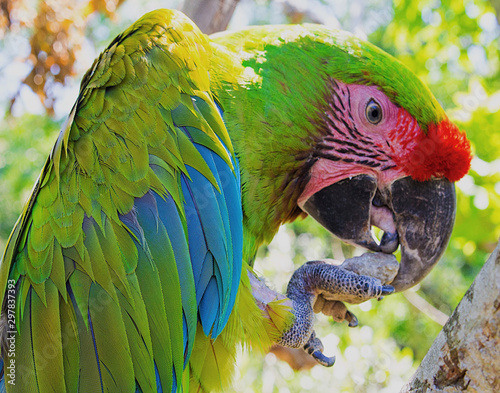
373, 112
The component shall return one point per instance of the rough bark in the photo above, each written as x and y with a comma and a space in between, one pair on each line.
210, 16
466, 354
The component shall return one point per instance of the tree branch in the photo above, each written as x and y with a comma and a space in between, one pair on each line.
496, 6
466, 354
210, 16
425, 307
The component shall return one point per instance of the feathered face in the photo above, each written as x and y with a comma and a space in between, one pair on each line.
377, 166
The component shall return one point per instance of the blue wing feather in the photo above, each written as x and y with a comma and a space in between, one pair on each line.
208, 309
209, 213
214, 230
205, 275
232, 195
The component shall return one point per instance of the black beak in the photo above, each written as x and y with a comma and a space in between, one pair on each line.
419, 216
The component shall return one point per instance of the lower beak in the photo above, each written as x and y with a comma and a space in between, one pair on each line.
418, 216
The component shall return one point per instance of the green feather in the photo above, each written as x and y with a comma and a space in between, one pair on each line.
26, 372
142, 358
88, 374
80, 285
46, 340
99, 266
57, 274
70, 345
171, 290
115, 362
151, 288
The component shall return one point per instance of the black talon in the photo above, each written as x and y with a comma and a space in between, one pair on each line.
353, 321
322, 359
387, 290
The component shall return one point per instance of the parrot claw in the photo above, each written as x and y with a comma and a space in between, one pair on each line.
351, 318
314, 347
387, 290
322, 359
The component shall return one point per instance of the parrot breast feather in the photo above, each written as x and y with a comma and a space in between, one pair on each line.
133, 234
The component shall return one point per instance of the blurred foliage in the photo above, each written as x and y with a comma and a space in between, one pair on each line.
24, 145
451, 45
56, 29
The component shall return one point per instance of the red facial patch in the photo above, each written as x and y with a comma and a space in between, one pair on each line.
443, 151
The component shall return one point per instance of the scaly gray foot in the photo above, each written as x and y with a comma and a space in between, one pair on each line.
332, 283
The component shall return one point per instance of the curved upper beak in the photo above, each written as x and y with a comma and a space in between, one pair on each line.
418, 216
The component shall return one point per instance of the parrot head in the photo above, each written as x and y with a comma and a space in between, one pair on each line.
377, 166
370, 144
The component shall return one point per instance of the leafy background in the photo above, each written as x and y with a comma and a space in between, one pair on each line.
45, 47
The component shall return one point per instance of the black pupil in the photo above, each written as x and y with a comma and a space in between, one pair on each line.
374, 113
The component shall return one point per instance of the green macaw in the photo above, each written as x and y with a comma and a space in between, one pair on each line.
129, 269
